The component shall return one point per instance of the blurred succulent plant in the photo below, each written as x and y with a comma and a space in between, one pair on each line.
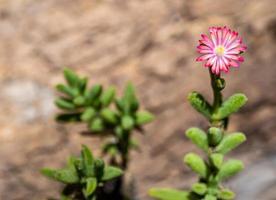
93, 106
83, 176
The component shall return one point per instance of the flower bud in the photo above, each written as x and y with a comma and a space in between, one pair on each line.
220, 83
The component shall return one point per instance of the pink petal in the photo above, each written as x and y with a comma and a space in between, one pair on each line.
204, 57
207, 40
204, 47
234, 63
205, 51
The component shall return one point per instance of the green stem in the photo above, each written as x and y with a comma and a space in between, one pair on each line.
217, 102
123, 147
217, 86
124, 143
216, 91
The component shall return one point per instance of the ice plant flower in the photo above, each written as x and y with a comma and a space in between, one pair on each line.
221, 50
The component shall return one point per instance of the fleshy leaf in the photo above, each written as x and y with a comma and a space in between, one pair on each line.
168, 194
67, 90
143, 117
130, 101
119, 104
108, 96
68, 176
93, 93
88, 114
87, 156
230, 168
217, 160
82, 84
226, 194
197, 164
231, 105
109, 116
79, 101
71, 77
215, 136
230, 142
127, 122
64, 104
111, 173
198, 137
200, 104
97, 125
91, 186
199, 188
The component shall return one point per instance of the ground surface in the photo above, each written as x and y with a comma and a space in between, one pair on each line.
150, 42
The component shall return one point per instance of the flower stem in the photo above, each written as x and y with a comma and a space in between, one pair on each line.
218, 85
216, 91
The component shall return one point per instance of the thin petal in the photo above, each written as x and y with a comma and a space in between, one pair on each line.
204, 57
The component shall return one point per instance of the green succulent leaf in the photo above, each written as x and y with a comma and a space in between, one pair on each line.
119, 104
93, 93
82, 84
67, 90
108, 96
111, 173
198, 137
127, 122
226, 194
200, 104
199, 188
217, 160
97, 125
215, 136
71, 77
109, 115
67, 176
168, 194
64, 104
91, 186
231, 105
87, 156
79, 101
230, 168
143, 117
88, 114
197, 164
130, 102
230, 142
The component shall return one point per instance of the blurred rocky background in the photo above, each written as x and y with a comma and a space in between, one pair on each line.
152, 43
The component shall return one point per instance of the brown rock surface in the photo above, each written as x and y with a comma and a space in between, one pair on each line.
152, 43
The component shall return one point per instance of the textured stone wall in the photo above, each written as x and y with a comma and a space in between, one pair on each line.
152, 43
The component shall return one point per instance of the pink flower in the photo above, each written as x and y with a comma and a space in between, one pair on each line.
221, 50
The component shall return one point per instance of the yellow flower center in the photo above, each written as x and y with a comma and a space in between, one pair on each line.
219, 50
